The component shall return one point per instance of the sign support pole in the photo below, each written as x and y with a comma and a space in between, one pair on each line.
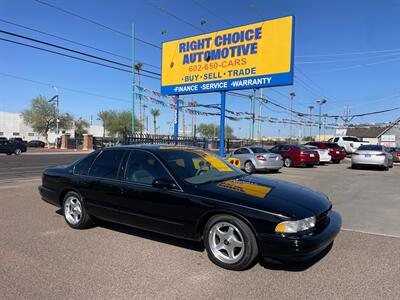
222, 126
176, 120
133, 79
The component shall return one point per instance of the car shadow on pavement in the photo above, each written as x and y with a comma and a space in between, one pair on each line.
366, 169
299, 266
161, 238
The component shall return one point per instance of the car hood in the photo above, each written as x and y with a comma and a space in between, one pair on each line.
270, 195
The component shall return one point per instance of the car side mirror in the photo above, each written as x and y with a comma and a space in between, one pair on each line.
164, 183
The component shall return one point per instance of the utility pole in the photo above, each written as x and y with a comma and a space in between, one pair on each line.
183, 117
260, 102
292, 95
310, 107
253, 114
325, 116
57, 115
320, 102
133, 79
145, 128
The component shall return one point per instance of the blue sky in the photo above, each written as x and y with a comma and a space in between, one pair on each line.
327, 32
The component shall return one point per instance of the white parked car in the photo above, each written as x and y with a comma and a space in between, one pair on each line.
349, 143
324, 156
372, 155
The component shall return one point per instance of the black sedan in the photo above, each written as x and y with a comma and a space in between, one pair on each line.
11, 147
36, 144
190, 193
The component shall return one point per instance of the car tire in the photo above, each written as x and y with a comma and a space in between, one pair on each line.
249, 167
9, 153
74, 211
354, 166
221, 234
288, 162
336, 161
17, 151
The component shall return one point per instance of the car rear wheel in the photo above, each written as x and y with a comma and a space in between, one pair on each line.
288, 162
354, 166
230, 243
74, 211
249, 167
336, 161
17, 151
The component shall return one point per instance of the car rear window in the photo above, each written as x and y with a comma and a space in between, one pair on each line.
107, 164
351, 139
332, 145
301, 147
82, 167
371, 147
259, 150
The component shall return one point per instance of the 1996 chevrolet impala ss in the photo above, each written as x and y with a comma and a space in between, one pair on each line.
190, 193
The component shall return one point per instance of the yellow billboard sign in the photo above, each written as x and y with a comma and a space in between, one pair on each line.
245, 57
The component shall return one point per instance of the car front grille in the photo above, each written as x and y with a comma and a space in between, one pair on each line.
322, 219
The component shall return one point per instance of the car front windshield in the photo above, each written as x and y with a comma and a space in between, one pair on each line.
198, 166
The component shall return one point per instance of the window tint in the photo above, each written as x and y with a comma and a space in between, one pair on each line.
143, 167
259, 150
285, 148
107, 164
242, 151
350, 139
371, 147
336, 139
82, 167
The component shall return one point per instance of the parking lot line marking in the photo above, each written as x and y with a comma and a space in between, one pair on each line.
373, 233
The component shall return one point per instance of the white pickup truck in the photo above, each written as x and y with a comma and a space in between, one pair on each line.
349, 143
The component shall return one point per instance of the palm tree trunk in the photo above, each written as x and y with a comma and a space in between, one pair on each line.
155, 125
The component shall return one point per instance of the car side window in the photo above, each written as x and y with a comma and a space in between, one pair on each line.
242, 151
82, 167
107, 164
285, 148
336, 140
144, 167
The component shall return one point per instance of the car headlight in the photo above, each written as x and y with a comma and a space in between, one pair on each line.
295, 226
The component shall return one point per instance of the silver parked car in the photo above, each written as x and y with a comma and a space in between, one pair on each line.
258, 159
372, 155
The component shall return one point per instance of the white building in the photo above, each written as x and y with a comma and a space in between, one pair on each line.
12, 125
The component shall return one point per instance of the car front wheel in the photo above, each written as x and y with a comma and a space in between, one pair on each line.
17, 151
74, 211
230, 243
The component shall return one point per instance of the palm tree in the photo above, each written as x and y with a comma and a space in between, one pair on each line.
138, 68
104, 116
155, 113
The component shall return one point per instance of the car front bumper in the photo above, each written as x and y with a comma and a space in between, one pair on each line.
284, 249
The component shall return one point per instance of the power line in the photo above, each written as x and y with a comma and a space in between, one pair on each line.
75, 42
350, 53
75, 57
171, 15
96, 23
210, 11
346, 59
72, 50
64, 88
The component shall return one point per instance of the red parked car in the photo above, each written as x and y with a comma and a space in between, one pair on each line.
335, 151
297, 155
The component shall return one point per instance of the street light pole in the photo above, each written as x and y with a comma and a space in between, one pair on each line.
292, 95
320, 102
310, 107
57, 115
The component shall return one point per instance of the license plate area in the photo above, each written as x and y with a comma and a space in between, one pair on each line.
367, 155
311, 155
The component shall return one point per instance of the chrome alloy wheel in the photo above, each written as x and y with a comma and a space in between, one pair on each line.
226, 242
247, 167
73, 210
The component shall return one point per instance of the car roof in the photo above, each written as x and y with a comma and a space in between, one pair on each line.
156, 147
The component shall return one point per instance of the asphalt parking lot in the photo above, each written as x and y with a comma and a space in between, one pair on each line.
41, 257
